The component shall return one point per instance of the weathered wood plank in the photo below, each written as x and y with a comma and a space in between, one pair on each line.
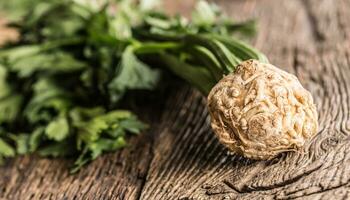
6, 34
330, 20
180, 158
117, 175
192, 165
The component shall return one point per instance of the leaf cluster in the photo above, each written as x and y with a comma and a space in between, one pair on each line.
62, 81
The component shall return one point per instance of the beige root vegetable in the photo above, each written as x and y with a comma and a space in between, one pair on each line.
259, 111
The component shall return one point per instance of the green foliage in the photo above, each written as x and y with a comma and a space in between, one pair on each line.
62, 81
6, 150
132, 74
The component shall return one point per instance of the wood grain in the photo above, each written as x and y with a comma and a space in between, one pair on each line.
180, 158
6, 33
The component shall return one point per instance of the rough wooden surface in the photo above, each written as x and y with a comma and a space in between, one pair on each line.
6, 34
179, 157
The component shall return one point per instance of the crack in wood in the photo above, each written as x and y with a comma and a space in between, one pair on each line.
312, 21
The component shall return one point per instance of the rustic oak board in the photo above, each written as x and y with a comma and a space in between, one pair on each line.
179, 156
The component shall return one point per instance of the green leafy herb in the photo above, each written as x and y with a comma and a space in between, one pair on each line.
5, 150
62, 81
132, 74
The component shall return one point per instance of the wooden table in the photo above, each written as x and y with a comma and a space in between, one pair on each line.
179, 157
